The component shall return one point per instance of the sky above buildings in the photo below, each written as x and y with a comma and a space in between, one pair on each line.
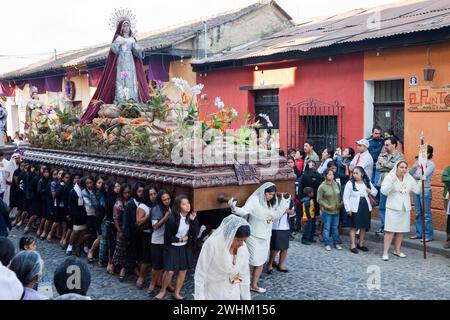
34, 29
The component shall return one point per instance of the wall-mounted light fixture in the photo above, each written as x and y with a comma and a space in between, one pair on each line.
428, 72
330, 58
378, 52
256, 68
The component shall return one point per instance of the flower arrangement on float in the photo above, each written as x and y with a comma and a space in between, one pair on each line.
147, 130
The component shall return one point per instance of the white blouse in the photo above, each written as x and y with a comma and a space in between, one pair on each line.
183, 230
351, 198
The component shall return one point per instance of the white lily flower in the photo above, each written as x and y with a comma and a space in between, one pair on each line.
219, 103
197, 89
181, 84
234, 113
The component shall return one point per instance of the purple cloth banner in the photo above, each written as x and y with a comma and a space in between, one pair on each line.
53, 84
6, 90
158, 68
21, 84
94, 77
39, 84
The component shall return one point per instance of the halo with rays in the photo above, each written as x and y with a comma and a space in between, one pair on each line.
120, 14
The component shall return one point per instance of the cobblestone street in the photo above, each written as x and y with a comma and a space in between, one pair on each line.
313, 274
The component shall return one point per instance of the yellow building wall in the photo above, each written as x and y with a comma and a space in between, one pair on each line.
179, 69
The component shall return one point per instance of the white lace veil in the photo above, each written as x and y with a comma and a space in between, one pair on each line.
224, 235
260, 194
215, 255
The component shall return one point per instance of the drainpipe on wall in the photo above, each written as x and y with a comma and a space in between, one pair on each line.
206, 39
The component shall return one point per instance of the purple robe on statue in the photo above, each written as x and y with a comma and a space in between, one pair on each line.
106, 89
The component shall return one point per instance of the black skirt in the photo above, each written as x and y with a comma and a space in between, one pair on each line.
60, 214
361, 219
22, 204
36, 209
146, 241
91, 223
48, 211
157, 256
69, 222
14, 197
279, 240
178, 258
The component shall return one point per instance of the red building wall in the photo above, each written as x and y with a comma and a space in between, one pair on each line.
341, 79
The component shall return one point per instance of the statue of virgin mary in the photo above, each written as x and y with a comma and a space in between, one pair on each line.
123, 77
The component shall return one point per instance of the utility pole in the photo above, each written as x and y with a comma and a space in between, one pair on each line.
56, 57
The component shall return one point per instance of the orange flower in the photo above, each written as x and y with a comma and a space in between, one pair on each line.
122, 120
101, 133
137, 121
110, 137
66, 135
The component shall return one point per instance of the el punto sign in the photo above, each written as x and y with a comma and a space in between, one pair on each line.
428, 98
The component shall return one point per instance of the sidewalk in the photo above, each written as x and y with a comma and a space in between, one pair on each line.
435, 246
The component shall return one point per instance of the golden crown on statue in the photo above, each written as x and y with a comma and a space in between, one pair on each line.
123, 14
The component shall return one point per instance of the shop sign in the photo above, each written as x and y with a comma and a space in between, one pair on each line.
428, 98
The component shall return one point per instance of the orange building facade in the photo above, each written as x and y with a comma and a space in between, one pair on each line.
426, 104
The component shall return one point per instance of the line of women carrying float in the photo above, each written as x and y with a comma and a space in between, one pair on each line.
144, 228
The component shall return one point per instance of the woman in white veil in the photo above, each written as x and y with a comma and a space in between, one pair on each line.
397, 186
262, 207
222, 271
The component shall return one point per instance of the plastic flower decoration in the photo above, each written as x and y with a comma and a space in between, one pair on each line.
266, 117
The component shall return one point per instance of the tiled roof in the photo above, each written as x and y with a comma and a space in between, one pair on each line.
356, 25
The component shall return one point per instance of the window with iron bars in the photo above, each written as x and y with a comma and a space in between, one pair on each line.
314, 121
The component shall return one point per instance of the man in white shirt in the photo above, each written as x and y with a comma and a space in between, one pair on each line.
363, 158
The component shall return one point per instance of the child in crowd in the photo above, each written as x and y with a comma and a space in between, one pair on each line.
27, 243
308, 217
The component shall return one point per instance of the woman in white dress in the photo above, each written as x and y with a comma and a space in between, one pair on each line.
222, 271
262, 207
397, 186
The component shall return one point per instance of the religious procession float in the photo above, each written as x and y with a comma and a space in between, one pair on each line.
130, 134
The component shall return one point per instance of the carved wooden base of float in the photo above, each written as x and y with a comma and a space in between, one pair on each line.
205, 185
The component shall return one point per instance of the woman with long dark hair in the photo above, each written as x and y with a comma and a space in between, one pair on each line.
57, 187
119, 258
77, 212
102, 195
67, 223
130, 231
32, 181
44, 192
358, 207
178, 258
90, 204
95, 226
160, 213
111, 199
143, 218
